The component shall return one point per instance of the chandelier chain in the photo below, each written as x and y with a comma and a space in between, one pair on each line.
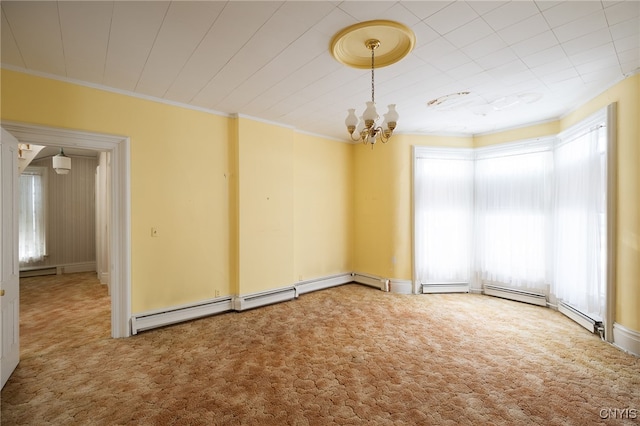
373, 89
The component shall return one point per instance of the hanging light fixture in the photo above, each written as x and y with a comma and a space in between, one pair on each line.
61, 163
356, 46
371, 131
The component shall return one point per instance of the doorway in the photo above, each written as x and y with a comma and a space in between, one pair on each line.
119, 221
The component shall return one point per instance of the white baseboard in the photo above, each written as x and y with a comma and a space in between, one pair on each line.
626, 339
371, 281
433, 288
69, 268
400, 286
308, 286
263, 298
174, 315
514, 294
77, 267
162, 317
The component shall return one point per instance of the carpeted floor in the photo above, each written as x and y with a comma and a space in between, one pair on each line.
347, 355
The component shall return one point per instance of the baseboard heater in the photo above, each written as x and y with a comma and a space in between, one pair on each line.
38, 272
68, 268
370, 280
175, 315
255, 300
517, 295
432, 288
591, 324
308, 286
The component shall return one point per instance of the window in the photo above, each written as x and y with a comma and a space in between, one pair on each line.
512, 207
580, 217
444, 216
32, 227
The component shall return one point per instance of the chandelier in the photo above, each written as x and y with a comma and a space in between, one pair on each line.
370, 131
61, 163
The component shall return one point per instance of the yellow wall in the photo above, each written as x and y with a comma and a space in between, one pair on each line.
529, 132
323, 207
383, 220
265, 184
178, 163
219, 189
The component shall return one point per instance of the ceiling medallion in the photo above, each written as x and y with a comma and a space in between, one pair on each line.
349, 45
367, 44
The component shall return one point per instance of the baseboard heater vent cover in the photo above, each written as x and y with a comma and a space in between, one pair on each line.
149, 320
517, 295
592, 324
255, 300
432, 288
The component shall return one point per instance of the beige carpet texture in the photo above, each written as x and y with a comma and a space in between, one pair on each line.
349, 355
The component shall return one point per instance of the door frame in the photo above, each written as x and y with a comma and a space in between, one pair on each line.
120, 229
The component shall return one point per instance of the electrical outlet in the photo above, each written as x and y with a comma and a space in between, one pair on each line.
155, 232
217, 293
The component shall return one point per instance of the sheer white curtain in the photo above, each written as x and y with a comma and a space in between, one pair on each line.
579, 221
443, 219
31, 222
513, 214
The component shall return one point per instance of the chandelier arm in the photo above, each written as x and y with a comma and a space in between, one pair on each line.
355, 139
382, 135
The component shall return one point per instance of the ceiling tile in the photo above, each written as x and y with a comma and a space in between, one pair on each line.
225, 38
625, 29
134, 26
547, 4
587, 42
36, 29
555, 77
85, 34
451, 17
365, 10
10, 52
569, 11
482, 7
625, 44
622, 11
175, 43
485, 46
497, 59
465, 70
607, 49
581, 27
554, 67
469, 33
450, 60
535, 44
435, 49
599, 64
424, 34
524, 30
630, 61
399, 13
611, 74
509, 14
334, 21
425, 9
545, 56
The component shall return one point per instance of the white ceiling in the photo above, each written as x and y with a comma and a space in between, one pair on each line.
522, 61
